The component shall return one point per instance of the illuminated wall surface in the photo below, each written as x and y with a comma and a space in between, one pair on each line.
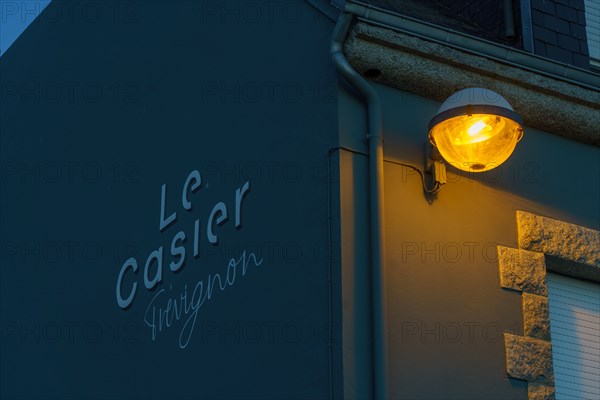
171, 217
446, 310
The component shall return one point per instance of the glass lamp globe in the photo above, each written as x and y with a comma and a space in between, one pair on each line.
475, 130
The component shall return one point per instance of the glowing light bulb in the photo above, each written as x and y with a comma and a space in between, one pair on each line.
470, 144
476, 128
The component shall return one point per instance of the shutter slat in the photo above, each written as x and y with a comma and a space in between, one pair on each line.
575, 331
587, 333
583, 320
567, 358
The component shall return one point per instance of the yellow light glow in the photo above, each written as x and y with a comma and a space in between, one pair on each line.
477, 142
477, 127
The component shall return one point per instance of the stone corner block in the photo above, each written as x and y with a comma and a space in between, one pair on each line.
522, 270
557, 238
536, 316
529, 359
540, 392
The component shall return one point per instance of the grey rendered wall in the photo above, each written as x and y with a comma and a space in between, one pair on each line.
445, 308
102, 104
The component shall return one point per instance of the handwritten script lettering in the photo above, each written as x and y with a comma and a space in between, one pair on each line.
166, 310
162, 311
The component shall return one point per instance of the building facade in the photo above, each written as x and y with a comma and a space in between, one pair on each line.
187, 205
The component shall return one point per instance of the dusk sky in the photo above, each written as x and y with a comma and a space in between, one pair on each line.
15, 16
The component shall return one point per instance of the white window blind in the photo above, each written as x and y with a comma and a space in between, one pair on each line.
592, 27
575, 330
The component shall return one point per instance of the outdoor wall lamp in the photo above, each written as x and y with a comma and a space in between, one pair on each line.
475, 130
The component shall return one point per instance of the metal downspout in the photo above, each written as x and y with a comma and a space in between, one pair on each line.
375, 137
509, 20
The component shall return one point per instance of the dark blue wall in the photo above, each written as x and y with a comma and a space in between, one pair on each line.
102, 104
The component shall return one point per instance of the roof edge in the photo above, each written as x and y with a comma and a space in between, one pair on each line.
478, 46
419, 64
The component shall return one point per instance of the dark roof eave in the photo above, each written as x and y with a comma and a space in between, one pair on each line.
550, 96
